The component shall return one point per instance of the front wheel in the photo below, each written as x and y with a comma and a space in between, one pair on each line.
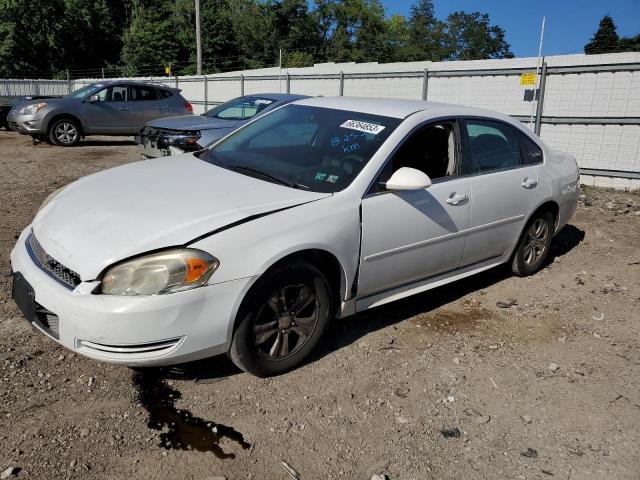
281, 320
64, 132
533, 247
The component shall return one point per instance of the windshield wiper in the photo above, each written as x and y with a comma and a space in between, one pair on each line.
262, 174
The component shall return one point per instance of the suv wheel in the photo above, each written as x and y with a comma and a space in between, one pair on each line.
281, 320
64, 132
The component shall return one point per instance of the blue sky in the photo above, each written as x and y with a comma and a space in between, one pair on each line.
569, 25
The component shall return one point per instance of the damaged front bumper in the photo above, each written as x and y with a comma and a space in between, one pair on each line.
161, 142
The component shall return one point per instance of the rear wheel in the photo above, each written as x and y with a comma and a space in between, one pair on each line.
64, 132
281, 320
533, 247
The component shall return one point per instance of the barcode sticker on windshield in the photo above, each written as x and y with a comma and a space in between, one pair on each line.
363, 126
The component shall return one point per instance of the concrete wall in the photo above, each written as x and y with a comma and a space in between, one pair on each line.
609, 97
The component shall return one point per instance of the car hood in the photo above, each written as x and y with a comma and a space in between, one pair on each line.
143, 206
193, 122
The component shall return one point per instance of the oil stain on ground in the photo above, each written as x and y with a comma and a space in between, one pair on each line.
180, 429
452, 321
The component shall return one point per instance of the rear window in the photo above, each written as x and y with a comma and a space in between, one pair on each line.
142, 93
493, 146
531, 152
241, 108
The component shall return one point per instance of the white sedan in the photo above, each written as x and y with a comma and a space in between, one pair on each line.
322, 208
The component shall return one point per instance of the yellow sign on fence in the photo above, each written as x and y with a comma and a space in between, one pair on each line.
527, 79
167, 70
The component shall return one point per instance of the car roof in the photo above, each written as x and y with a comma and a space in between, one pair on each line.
279, 96
135, 82
393, 107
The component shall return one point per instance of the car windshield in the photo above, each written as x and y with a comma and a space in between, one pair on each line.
84, 91
311, 148
240, 108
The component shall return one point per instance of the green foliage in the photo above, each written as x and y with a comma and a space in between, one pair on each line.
28, 34
141, 37
606, 40
470, 36
151, 41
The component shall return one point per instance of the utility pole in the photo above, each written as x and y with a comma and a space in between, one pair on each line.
280, 73
536, 91
198, 40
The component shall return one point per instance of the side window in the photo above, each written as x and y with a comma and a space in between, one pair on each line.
118, 93
141, 93
531, 152
164, 93
493, 146
104, 95
431, 149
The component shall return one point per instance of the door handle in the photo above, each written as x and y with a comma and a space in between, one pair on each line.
456, 199
123, 108
162, 108
529, 183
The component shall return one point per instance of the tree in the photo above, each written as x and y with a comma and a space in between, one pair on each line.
28, 33
470, 36
353, 30
150, 41
605, 40
84, 22
426, 33
630, 44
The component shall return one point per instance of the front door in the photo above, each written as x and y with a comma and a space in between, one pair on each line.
504, 186
110, 114
411, 235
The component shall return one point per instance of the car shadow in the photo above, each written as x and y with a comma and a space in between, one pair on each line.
344, 332
120, 142
349, 330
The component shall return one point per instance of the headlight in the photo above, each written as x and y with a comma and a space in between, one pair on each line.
186, 139
165, 272
31, 109
50, 197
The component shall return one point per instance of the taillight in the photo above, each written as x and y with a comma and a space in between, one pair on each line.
189, 107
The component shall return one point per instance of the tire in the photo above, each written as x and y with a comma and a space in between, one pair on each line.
533, 248
270, 336
64, 132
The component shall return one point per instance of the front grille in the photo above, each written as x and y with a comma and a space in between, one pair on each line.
46, 262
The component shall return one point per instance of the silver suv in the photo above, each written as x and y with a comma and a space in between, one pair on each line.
108, 108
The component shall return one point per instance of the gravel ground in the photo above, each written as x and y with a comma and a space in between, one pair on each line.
490, 377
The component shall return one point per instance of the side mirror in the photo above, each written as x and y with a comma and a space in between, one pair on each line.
94, 98
406, 178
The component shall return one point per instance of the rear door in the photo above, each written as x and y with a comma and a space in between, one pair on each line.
503, 187
146, 105
109, 115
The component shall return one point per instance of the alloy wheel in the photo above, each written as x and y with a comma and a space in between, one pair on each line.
66, 132
535, 242
284, 324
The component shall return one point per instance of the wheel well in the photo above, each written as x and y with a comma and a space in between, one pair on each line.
60, 116
328, 264
549, 206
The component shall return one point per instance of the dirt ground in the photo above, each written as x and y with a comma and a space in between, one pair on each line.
444, 385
